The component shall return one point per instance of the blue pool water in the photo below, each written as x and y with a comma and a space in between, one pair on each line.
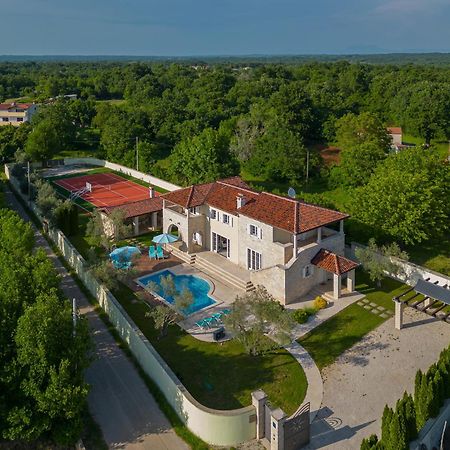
196, 285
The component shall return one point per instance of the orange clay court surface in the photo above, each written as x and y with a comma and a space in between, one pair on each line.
108, 189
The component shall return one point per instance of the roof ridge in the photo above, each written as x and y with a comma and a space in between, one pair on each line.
249, 189
191, 193
283, 197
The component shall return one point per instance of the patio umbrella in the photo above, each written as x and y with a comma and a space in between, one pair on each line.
165, 238
124, 253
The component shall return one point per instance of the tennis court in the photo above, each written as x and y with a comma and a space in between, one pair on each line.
106, 189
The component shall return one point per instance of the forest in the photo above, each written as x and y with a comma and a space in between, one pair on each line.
270, 122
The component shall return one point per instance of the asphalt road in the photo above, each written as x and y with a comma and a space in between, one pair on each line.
119, 400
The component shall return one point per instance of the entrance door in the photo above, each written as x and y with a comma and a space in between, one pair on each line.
220, 245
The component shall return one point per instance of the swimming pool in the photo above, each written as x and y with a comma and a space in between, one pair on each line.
198, 286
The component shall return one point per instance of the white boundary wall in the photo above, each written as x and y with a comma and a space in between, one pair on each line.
126, 170
430, 434
412, 272
225, 428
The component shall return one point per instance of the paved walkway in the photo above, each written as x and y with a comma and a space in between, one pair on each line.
325, 314
119, 400
374, 372
314, 392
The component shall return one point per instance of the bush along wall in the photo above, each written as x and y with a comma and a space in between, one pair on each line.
401, 425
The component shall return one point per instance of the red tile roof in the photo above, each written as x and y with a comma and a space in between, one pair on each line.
394, 130
8, 106
288, 214
331, 262
138, 208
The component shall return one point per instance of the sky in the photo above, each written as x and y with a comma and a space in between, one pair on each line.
222, 27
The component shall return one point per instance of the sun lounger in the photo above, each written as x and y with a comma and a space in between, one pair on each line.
226, 311
202, 324
152, 252
217, 317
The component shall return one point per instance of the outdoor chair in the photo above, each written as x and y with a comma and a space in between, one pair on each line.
160, 253
152, 252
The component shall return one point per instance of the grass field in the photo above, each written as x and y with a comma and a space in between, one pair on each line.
222, 376
330, 339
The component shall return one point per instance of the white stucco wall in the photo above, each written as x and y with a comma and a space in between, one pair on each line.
126, 170
223, 428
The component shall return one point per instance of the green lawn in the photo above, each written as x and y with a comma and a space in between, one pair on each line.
330, 339
441, 145
222, 376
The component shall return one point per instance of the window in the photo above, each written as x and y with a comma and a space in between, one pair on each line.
253, 260
194, 210
20, 119
213, 214
307, 271
253, 230
5, 119
226, 219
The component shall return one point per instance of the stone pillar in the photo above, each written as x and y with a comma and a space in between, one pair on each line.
341, 226
154, 220
319, 235
351, 281
295, 246
399, 308
337, 282
427, 302
277, 418
259, 399
136, 226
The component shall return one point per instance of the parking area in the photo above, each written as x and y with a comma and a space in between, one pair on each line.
374, 372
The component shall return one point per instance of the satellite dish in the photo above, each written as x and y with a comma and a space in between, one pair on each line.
291, 192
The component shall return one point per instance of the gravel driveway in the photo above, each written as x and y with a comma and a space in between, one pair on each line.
372, 373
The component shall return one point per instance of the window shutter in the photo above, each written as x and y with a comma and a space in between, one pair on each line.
248, 228
260, 233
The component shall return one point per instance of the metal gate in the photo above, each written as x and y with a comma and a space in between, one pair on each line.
296, 429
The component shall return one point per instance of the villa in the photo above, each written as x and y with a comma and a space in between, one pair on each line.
247, 238
16, 113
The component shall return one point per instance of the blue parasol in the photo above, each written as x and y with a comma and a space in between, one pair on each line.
165, 238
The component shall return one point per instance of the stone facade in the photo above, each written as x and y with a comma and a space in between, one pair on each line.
285, 275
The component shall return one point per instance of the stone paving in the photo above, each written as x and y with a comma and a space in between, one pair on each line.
375, 309
374, 372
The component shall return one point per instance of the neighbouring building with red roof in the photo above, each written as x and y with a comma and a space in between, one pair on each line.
248, 238
16, 113
396, 136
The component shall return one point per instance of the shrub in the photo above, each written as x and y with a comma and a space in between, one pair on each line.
371, 443
301, 315
320, 303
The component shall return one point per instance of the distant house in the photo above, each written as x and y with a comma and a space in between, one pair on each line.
16, 113
396, 136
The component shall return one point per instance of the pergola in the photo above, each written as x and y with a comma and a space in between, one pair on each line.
427, 297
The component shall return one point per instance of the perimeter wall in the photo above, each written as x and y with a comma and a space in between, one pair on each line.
126, 170
223, 428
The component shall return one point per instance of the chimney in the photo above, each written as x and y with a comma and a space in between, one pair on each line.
151, 192
240, 201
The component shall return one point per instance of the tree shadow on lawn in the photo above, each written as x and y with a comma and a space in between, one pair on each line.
338, 334
222, 376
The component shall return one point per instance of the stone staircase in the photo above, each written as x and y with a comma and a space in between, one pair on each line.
318, 291
186, 257
222, 275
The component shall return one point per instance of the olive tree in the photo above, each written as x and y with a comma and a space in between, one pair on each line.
257, 315
163, 315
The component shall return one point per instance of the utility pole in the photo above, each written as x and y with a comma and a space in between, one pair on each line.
29, 181
307, 165
137, 153
74, 316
